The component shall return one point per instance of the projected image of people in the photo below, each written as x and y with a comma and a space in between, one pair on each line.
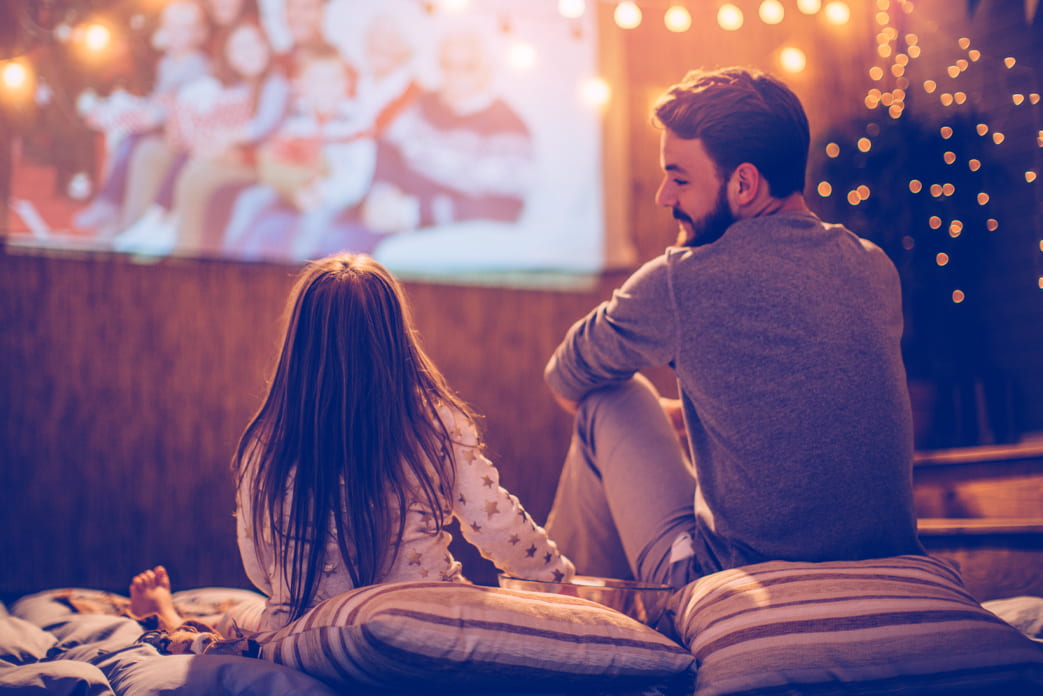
438, 140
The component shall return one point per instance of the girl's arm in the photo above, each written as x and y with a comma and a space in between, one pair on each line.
495, 522
245, 532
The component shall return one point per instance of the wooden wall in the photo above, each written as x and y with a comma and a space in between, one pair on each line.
127, 385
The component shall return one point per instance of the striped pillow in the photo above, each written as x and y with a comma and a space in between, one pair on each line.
900, 625
458, 635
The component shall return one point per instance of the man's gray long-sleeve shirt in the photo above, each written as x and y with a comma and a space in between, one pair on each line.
785, 338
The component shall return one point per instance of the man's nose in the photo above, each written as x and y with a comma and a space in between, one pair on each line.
663, 196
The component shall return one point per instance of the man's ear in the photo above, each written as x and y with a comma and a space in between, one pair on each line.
746, 185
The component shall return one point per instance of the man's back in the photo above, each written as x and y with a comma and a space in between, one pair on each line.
785, 338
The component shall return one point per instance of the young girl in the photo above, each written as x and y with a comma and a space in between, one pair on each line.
361, 454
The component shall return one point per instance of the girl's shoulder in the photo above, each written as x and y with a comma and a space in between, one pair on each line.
458, 424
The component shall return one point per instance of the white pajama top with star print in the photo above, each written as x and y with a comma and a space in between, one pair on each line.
490, 518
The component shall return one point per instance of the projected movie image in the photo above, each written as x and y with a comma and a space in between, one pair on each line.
438, 137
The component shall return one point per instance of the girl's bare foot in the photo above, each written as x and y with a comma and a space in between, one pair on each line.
150, 594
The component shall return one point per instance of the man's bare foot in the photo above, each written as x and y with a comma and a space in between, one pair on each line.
150, 594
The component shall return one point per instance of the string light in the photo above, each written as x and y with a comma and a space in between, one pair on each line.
595, 91
792, 59
729, 17
627, 15
522, 56
825, 189
771, 12
809, 7
677, 19
572, 9
837, 12
941, 258
915, 185
14, 75
958, 296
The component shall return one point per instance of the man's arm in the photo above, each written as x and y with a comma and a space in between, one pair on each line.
633, 330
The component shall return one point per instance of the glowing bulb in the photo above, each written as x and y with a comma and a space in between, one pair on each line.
809, 7
793, 59
941, 259
1018, 99
729, 17
948, 189
837, 13
678, 19
853, 198
915, 186
974, 54
771, 12
1030, 176
983, 198
864, 144
946, 132
876, 73
522, 56
974, 165
998, 137
959, 97
1009, 62
627, 15
914, 51
955, 228
981, 128
863, 192
958, 296
912, 39
595, 91
1034, 98
964, 43
572, 9
992, 224
96, 37
825, 189
946, 99
935, 222
929, 86
949, 157
832, 150
953, 71
14, 75
936, 191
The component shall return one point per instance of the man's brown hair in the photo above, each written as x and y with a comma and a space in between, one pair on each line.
741, 115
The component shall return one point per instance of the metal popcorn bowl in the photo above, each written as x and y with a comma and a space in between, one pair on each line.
643, 601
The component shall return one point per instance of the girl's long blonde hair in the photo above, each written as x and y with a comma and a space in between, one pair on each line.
351, 421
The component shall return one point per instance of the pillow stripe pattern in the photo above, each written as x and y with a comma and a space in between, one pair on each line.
904, 624
406, 633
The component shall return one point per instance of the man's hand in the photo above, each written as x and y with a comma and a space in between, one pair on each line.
675, 414
567, 404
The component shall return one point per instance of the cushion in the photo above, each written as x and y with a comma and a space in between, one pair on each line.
62, 678
900, 625
22, 643
456, 635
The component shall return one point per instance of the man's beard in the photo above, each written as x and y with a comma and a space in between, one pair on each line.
707, 229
